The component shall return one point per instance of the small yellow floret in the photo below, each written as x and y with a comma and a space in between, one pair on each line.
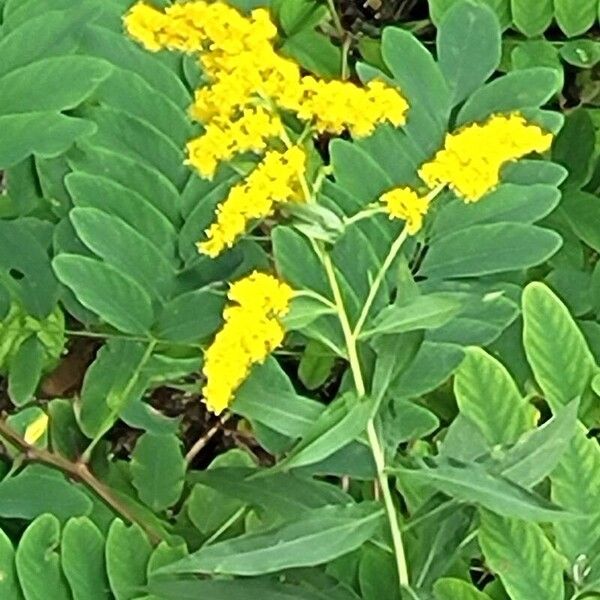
472, 158
404, 203
274, 181
251, 332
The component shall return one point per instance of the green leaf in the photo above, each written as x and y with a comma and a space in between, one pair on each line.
532, 18
210, 507
191, 317
349, 160
65, 437
432, 365
285, 494
475, 484
20, 423
21, 137
234, 589
377, 575
37, 490
456, 589
489, 397
423, 312
581, 210
84, 73
522, 556
38, 562
25, 371
338, 425
574, 148
95, 191
120, 245
112, 295
25, 254
556, 349
9, 586
515, 91
481, 322
82, 555
576, 486
158, 470
315, 52
268, 396
438, 8
417, 75
127, 555
507, 203
112, 382
584, 54
407, 421
575, 16
538, 452
316, 365
297, 262
469, 47
315, 538
486, 249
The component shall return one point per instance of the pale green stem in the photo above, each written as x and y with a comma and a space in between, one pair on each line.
315, 296
387, 263
336, 18
379, 278
378, 454
364, 214
217, 534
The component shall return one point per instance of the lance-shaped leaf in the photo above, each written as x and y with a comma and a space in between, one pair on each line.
315, 538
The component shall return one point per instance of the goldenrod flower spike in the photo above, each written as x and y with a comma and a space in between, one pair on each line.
472, 158
404, 203
248, 85
260, 300
275, 181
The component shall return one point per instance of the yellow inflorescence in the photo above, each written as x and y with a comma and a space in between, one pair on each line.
244, 70
404, 203
250, 132
199, 26
252, 330
248, 86
274, 181
336, 106
472, 158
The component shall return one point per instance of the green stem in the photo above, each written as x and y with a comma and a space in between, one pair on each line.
376, 449
379, 278
335, 17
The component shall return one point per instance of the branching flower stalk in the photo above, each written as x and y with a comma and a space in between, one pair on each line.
376, 449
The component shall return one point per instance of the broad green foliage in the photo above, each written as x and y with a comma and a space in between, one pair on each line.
432, 411
574, 17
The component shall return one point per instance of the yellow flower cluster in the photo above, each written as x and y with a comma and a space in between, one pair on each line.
250, 132
245, 71
274, 181
199, 26
252, 330
404, 203
472, 158
336, 106
470, 164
